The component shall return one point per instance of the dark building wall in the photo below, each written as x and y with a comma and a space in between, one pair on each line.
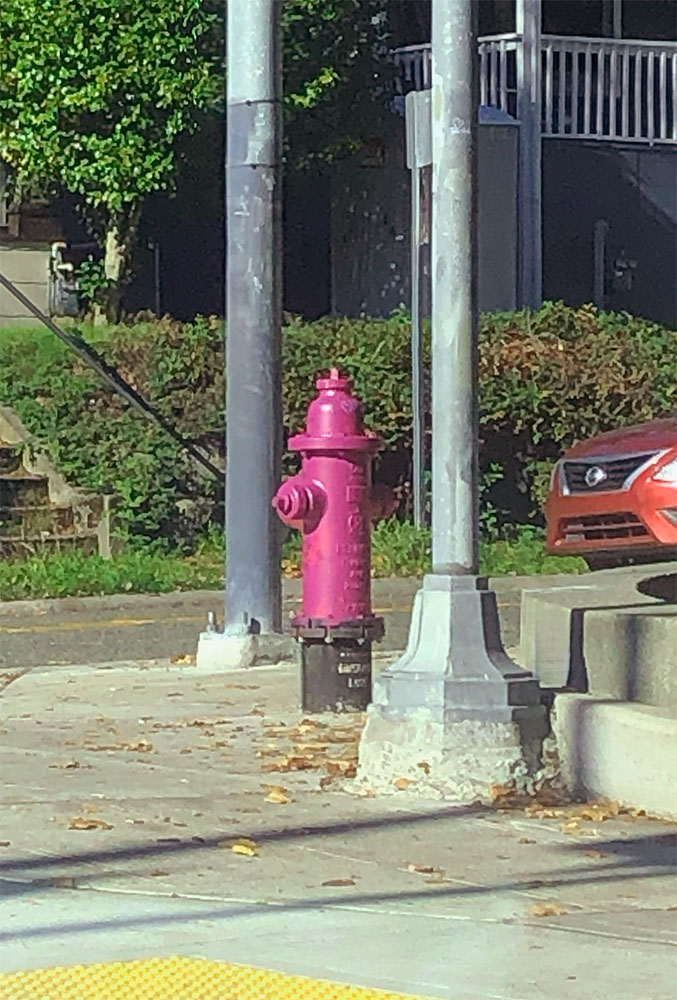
635, 192
371, 218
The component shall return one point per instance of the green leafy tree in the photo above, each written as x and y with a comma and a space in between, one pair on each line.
336, 76
93, 95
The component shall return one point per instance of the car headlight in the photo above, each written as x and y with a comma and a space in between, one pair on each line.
668, 474
555, 477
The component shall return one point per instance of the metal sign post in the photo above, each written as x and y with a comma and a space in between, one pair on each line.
419, 156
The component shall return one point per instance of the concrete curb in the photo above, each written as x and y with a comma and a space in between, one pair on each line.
382, 587
619, 751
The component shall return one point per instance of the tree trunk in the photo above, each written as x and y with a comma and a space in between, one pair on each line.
117, 255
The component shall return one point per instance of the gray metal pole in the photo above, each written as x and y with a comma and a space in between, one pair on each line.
530, 278
417, 353
253, 313
454, 688
454, 288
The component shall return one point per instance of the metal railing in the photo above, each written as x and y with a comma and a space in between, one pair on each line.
609, 89
592, 88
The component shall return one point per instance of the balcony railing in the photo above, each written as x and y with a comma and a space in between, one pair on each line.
592, 88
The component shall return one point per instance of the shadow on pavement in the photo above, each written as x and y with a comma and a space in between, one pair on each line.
633, 857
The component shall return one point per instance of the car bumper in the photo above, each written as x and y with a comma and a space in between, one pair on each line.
629, 521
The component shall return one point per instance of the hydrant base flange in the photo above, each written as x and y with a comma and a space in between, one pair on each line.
335, 676
370, 629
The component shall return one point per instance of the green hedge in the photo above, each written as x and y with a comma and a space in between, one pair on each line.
546, 379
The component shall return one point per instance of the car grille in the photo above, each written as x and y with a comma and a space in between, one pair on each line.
597, 527
616, 473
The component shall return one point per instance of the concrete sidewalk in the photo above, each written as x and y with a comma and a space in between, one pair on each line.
126, 790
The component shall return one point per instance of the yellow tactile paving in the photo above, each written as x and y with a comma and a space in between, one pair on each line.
175, 979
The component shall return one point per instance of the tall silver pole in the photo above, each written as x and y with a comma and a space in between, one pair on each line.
454, 288
253, 313
418, 407
530, 278
454, 694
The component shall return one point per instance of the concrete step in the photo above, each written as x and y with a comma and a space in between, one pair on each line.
10, 458
23, 489
615, 750
36, 520
21, 548
559, 643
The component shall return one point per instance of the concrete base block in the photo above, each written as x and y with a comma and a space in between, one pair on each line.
619, 751
463, 762
217, 651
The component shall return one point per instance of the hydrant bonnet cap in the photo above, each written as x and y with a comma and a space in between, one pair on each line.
335, 380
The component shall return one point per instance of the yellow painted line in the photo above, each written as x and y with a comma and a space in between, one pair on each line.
106, 623
132, 623
176, 979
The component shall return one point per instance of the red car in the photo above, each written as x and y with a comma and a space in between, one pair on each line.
613, 498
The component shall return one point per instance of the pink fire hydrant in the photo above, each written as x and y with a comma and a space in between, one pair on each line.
332, 501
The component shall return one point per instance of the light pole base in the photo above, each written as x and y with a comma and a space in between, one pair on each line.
454, 717
239, 649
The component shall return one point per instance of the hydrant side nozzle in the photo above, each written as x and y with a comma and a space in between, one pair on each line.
296, 500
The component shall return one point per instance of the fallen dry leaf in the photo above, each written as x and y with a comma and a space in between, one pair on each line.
342, 768
185, 659
572, 827
340, 881
424, 869
311, 747
278, 796
403, 783
91, 823
248, 848
424, 765
538, 811
498, 792
599, 811
526, 840
307, 763
547, 910
143, 746
208, 723
595, 854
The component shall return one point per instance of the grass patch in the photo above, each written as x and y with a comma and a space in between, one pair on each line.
399, 549
76, 575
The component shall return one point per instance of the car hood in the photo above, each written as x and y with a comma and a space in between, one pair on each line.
653, 436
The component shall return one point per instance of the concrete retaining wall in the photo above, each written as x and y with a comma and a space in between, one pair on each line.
618, 751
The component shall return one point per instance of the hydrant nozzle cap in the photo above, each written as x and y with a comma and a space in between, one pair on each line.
335, 381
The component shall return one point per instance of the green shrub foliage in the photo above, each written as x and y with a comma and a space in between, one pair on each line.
547, 379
